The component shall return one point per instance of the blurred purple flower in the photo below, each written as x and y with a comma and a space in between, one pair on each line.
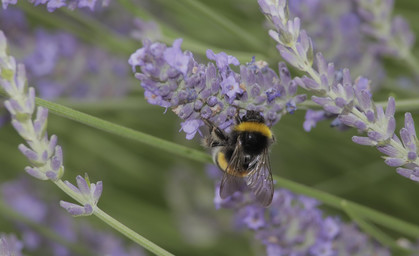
393, 36
312, 117
52, 5
146, 30
10, 245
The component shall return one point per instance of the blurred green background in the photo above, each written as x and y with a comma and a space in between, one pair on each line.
169, 200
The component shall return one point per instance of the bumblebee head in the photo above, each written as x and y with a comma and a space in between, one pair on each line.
253, 116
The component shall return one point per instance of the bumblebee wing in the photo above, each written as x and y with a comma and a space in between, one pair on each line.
232, 179
260, 180
231, 184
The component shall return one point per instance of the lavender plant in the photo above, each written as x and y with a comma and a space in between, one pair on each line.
178, 80
43, 153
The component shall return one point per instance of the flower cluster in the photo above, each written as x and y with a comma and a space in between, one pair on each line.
173, 79
338, 94
28, 198
52, 5
90, 193
294, 225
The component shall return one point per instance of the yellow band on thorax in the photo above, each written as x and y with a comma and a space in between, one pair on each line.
254, 127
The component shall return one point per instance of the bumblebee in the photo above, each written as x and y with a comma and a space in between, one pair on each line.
243, 156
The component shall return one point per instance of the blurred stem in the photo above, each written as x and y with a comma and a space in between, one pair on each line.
84, 27
192, 44
372, 230
114, 41
150, 246
242, 34
9, 213
412, 63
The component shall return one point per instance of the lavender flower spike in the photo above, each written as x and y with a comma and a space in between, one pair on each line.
89, 196
44, 154
194, 91
350, 100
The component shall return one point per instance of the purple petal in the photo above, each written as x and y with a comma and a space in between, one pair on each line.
370, 115
391, 107
408, 173
389, 150
376, 136
98, 191
363, 141
72, 187
82, 185
321, 100
51, 175
73, 209
29, 153
391, 127
394, 162
412, 156
35, 172
332, 109
409, 124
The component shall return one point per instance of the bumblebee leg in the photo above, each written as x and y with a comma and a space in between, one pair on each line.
217, 138
237, 116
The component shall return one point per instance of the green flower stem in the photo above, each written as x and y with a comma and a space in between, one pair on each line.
127, 103
366, 212
372, 230
152, 247
124, 131
9, 213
